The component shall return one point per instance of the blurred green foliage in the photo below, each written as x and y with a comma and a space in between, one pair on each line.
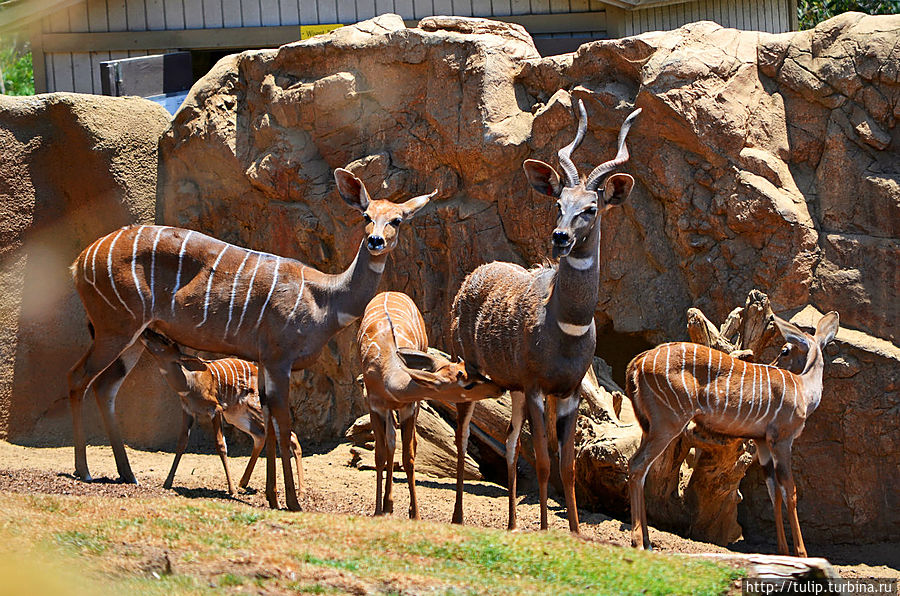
16, 70
813, 12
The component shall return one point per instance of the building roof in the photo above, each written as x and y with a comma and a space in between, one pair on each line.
16, 15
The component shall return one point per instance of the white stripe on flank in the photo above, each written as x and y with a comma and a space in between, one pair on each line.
234, 284
728, 385
209, 283
683, 367
582, 264
740, 400
783, 390
137, 283
708, 375
110, 273
249, 290
262, 311
669, 380
153, 272
768, 396
93, 281
409, 342
574, 330
746, 418
659, 389
93, 246
175, 288
299, 296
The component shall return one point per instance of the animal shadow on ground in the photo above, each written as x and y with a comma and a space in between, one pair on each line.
210, 493
837, 554
482, 490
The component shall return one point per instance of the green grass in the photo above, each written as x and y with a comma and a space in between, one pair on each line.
220, 547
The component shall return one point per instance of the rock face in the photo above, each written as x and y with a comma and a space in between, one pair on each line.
72, 168
761, 160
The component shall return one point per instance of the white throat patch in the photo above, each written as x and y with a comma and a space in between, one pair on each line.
377, 267
574, 330
580, 264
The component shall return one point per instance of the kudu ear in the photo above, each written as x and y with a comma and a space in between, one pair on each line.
351, 189
543, 177
791, 332
616, 188
417, 360
412, 206
827, 328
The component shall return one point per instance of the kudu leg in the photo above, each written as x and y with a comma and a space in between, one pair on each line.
106, 386
653, 444
297, 453
278, 391
379, 421
259, 441
390, 447
463, 418
768, 465
781, 452
535, 402
408, 417
222, 448
512, 453
101, 354
187, 422
271, 486
566, 417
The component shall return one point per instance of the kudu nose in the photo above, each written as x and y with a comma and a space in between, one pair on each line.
561, 238
376, 242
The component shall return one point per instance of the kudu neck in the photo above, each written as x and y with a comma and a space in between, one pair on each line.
354, 288
577, 284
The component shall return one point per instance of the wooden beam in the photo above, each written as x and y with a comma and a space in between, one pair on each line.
186, 39
794, 17
19, 15
38, 66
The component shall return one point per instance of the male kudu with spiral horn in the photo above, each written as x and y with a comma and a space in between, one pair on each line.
210, 295
532, 331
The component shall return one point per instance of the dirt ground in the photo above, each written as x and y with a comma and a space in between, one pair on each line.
333, 485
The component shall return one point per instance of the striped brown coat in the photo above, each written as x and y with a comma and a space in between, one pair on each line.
675, 383
399, 372
226, 388
213, 296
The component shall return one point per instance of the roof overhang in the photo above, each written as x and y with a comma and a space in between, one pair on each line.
17, 15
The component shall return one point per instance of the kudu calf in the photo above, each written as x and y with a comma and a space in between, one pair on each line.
227, 388
675, 383
213, 296
532, 331
399, 372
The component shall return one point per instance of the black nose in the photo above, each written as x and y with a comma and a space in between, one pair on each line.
561, 238
376, 242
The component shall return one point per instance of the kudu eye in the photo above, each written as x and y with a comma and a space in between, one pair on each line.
590, 211
785, 350
396, 222
367, 218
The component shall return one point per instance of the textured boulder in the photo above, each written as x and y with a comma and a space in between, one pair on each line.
72, 168
764, 161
